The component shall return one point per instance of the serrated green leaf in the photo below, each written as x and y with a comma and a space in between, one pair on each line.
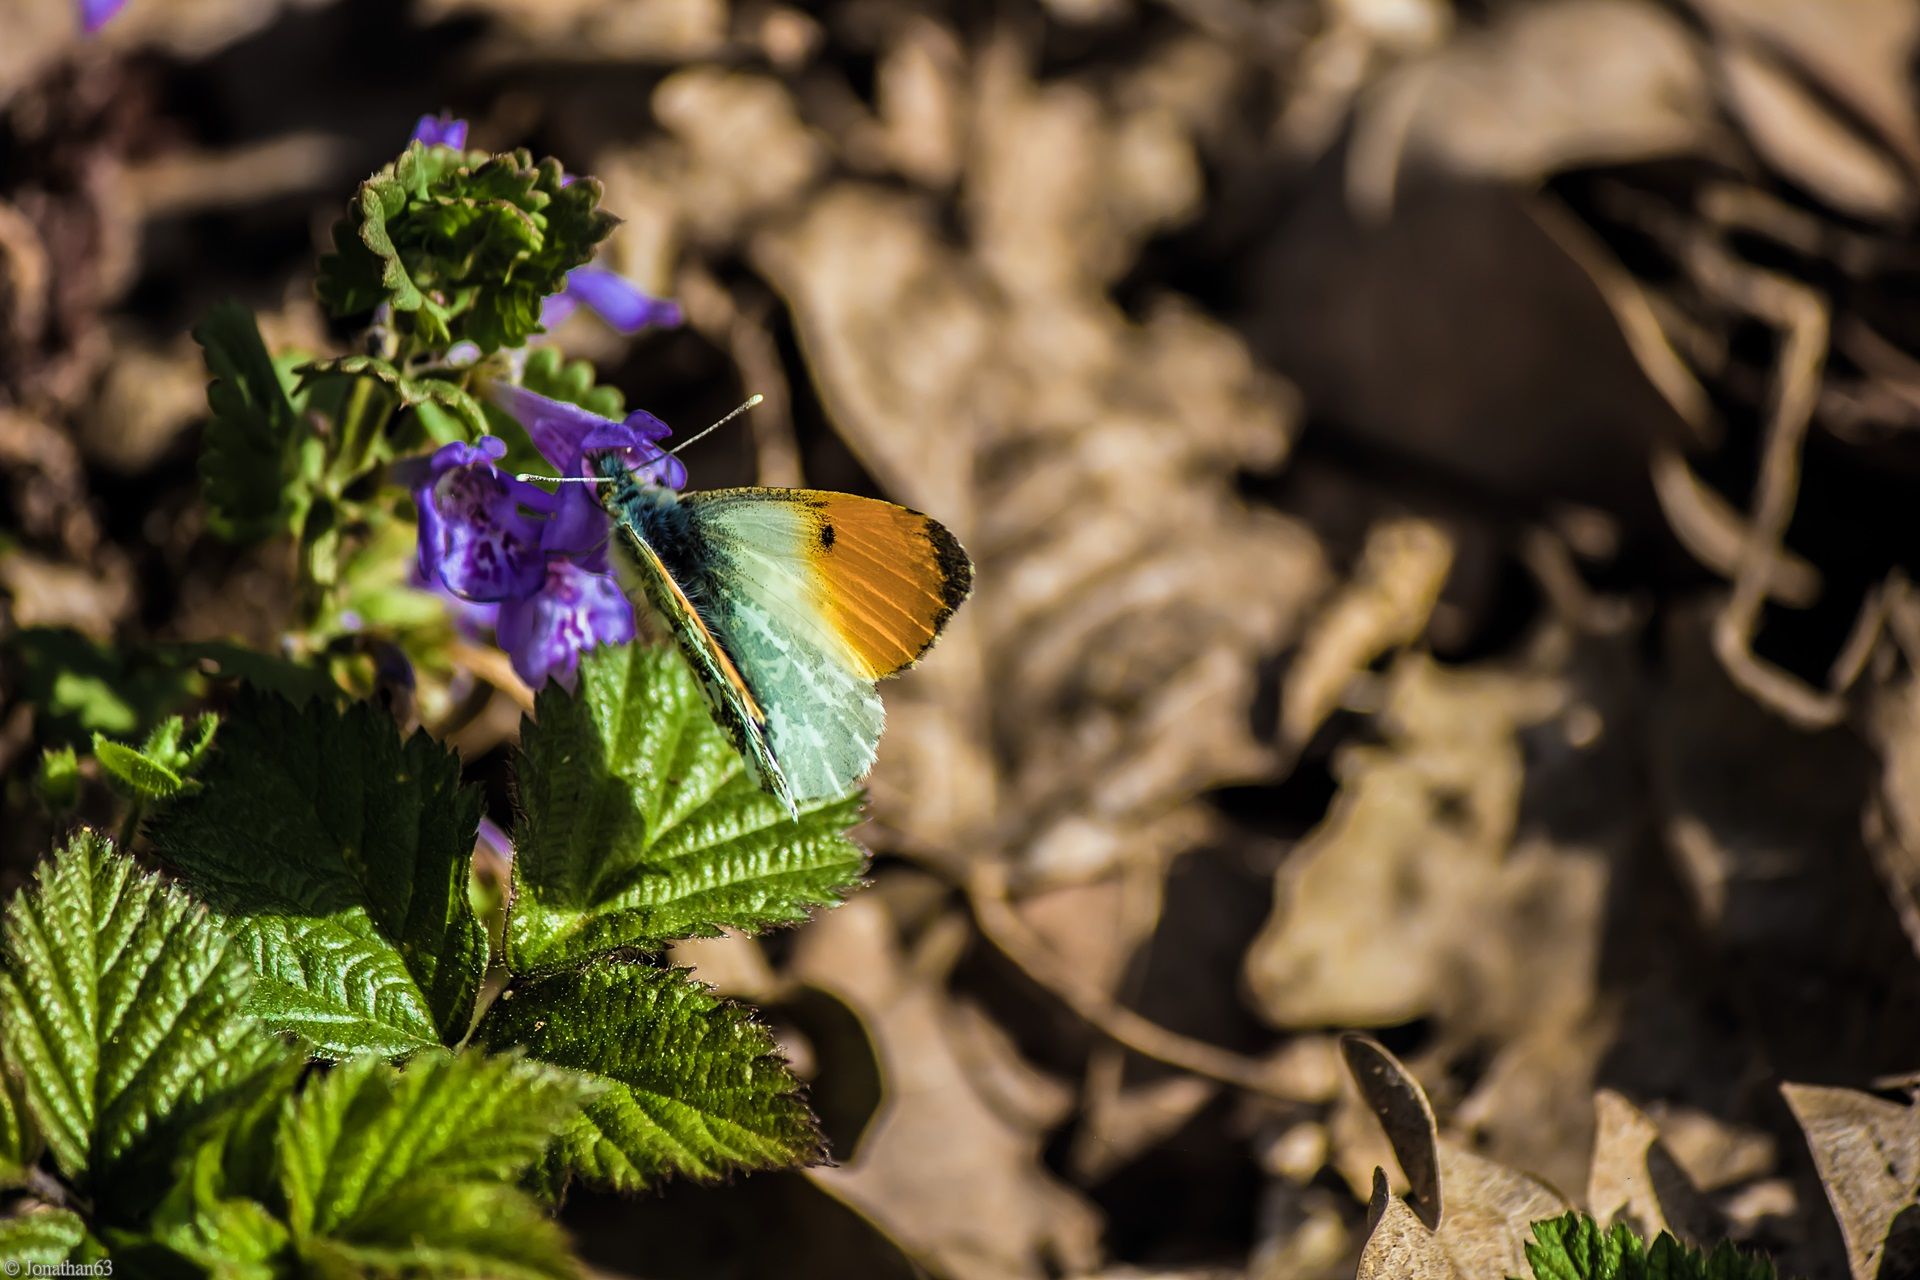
19, 1140
1573, 1247
248, 457
232, 1154
369, 1152
158, 768
449, 1233
462, 245
225, 1240
695, 1086
121, 1005
42, 1236
338, 853
639, 823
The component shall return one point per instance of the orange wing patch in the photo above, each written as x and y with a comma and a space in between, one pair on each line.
890, 577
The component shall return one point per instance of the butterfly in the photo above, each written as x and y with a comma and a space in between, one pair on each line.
789, 604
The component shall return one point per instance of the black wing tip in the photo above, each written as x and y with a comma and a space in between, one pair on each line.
956, 567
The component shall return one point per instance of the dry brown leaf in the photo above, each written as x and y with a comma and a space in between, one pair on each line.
659, 30
1401, 1107
1548, 86
1480, 1210
1636, 1180
1124, 596
1865, 60
1384, 606
1803, 139
985, 1207
1868, 1153
1400, 1246
1409, 899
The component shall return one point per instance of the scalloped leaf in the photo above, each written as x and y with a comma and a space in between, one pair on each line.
639, 823
338, 852
695, 1087
462, 245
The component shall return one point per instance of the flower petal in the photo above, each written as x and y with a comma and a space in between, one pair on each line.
443, 130
95, 14
575, 610
555, 308
619, 301
475, 538
565, 433
557, 427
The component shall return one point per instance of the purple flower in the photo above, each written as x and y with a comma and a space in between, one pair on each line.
565, 434
613, 298
94, 14
443, 130
480, 529
575, 610
471, 618
490, 540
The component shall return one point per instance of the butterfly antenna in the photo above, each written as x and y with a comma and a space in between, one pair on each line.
751, 401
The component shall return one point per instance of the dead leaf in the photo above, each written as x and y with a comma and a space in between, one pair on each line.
985, 1207
1548, 86
1868, 1153
1383, 607
1635, 1179
1480, 1209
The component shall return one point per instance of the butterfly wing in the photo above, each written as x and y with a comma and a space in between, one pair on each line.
727, 694
816, 595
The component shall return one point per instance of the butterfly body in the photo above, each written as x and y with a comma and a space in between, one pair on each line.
788, 604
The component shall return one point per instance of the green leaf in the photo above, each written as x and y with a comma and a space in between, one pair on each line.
463, 245
452, 1232
409, 392
121, 1010
19, 1140
551, 374
79, 686
1572, 1247
695, 1086
639, 823
57, 781
338, 852
249, 455
380, 1166
47, 1237
158, 768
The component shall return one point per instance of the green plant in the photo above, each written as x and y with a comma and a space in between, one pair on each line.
1573, 1247
280, 1026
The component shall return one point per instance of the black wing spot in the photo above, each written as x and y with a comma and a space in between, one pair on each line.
826, 536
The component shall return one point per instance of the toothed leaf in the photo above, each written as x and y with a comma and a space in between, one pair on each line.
121, 1003
640, 824
695, 1087
338, 852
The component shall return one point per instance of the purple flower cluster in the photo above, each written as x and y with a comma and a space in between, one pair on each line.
488, 538
507, 553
